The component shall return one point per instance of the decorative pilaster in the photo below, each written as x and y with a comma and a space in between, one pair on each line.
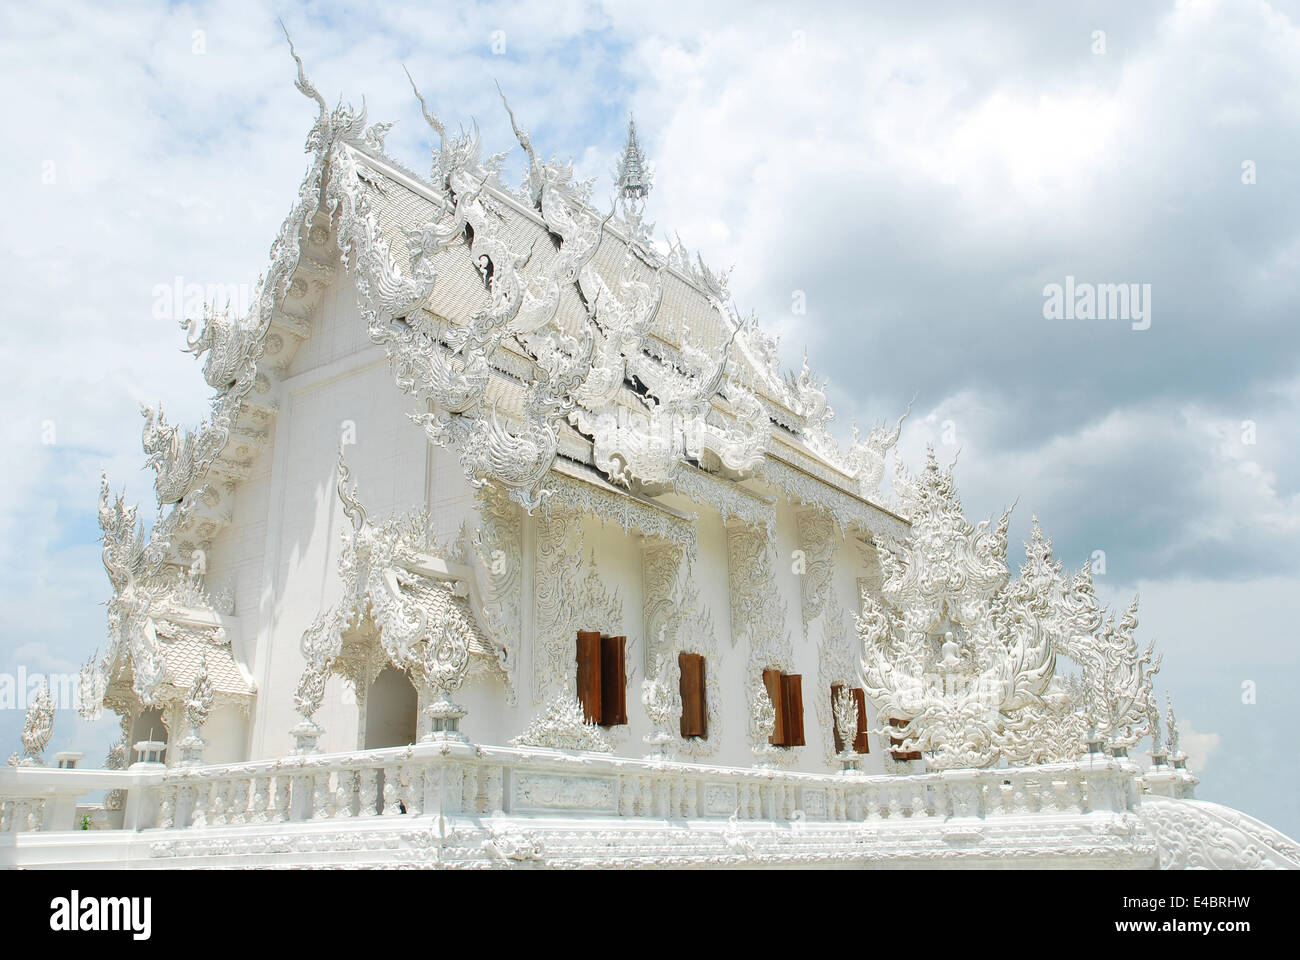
757, 613
498, 543
661, 565
817, 535
662, 702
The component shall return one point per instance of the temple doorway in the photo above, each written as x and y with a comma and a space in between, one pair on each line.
392, 708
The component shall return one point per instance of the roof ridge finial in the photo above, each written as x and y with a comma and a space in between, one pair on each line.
634, 177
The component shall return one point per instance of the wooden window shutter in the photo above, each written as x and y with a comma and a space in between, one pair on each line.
860, 744
835, 727
772, 680
792, 704
613, 681
589, 692
695, 721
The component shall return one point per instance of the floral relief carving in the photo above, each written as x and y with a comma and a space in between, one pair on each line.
758, 614
568, 596
498, 543
561, 725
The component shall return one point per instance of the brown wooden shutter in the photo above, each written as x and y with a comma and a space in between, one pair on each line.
589, 692
694, 714
613, 681
860, 742
772, 680
792, 702
835, 727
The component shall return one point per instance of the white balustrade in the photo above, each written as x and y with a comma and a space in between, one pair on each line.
479, 781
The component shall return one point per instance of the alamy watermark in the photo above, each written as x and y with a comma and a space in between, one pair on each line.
75, 913
18, 690
178, 300
1098, 301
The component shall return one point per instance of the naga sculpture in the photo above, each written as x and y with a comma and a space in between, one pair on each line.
865, 461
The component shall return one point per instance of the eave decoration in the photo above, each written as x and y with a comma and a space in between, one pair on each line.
967, 658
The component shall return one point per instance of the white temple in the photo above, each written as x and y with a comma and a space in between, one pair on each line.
506, 543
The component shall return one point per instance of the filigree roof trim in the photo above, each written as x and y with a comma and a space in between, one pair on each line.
582, 488
613, 247
848, 511
730, 499
422, 186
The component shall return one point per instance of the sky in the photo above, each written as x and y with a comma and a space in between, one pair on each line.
914, 182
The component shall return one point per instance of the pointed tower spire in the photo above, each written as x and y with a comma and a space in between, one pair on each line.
634, 179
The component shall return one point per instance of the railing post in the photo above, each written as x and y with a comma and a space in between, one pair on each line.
435, 788
141, 804
60, 812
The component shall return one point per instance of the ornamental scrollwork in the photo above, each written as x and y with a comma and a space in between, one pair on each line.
498, 544
817, 541
758, 614
561, 725
148, 591
661, 698
414, 620
38, 727
1194, 834
965, 657
568, 596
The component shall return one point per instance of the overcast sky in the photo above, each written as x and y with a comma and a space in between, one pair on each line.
916, 180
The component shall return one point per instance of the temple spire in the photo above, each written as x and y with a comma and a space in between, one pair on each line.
634, 178
633, 175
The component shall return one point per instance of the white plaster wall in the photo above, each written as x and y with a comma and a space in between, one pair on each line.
338, 332
226, 732
388, 460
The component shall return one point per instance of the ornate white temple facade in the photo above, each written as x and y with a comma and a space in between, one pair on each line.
506, 543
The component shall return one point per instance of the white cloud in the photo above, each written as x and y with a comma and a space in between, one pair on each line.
1198, 747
